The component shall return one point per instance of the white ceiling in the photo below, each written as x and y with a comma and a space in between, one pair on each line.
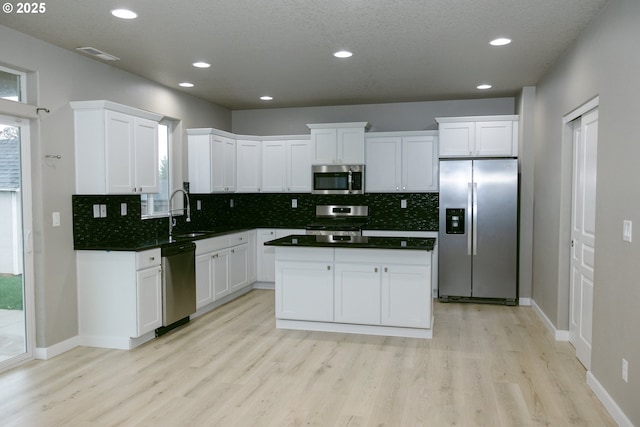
404, 50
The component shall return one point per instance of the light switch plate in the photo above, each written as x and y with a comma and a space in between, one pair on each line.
198, 204
294, 203
123, 209
96, 211
103, 211
56, 219
403, 204
627, 230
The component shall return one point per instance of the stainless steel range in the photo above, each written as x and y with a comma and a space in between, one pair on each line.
339, 220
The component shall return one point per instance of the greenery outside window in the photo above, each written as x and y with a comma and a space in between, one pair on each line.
157, 204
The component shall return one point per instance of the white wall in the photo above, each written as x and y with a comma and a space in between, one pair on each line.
605, 62
58, 77
382, 117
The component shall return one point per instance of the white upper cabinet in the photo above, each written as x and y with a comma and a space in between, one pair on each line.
116, 148
212, 161
286, 166
402, 162
337, 143
490, 136
248, 166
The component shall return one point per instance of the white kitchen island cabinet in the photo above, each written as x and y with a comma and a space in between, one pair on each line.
360, 289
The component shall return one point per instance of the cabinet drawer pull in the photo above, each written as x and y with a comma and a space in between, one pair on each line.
152, 258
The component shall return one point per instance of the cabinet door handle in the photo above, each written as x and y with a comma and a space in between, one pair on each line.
233, 251
152, 258
386, 269
140, 189
328, 267
375, 270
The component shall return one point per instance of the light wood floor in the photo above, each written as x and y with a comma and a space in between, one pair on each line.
485, 366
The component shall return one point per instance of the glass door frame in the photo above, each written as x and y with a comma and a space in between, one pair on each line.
27, 240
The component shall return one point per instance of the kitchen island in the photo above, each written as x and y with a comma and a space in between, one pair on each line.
354, 284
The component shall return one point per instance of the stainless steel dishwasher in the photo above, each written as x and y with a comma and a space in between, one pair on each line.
178, 285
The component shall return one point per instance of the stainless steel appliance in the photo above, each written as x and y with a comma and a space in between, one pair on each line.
478, 237
178, 285
338, 179
338, 220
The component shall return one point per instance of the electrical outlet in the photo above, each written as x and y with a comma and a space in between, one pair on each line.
294, 203
123, 209
96, 211
625, 370
198, 205
403, 204
103, 211
231, 203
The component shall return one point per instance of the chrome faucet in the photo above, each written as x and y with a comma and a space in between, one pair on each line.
172, 220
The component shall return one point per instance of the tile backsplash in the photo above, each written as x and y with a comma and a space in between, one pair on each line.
245, 210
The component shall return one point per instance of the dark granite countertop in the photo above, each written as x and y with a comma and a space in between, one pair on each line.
303, 240
160, 242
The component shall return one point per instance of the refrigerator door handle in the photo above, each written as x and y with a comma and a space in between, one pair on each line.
474, 224
469, 209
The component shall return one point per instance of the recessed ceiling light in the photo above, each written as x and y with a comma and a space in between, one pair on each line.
185, 84
484, 86
500, 42
343, 54
201, 64
124, 14
267, 98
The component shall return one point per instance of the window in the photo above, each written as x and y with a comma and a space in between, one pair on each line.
12, 85
157, 204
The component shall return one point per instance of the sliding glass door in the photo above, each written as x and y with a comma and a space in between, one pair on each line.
15, 238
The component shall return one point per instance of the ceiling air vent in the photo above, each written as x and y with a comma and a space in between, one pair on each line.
97, 53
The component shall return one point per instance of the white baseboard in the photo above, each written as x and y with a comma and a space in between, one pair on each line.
46, 353
559, 335
614, 410
264, 285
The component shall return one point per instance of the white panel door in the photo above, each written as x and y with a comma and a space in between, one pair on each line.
274, 171
146, 155
248, 166
120, 154
384, 164
148, 300
357, 293
585, 145
419, 171
304, 291
299, 166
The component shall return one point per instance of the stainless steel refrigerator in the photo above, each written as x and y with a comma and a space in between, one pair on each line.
478, 234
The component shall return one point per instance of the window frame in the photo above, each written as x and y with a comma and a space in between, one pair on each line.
170, 125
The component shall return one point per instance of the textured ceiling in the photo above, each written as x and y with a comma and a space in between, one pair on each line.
404, 50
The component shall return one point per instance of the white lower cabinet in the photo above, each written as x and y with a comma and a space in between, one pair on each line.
266, 255
119, 297
357, 293
304, 288
149, 299
405, 300
222, 267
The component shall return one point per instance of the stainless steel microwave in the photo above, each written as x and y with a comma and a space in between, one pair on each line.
338, 179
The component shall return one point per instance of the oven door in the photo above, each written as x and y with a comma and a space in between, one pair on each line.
338, 179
